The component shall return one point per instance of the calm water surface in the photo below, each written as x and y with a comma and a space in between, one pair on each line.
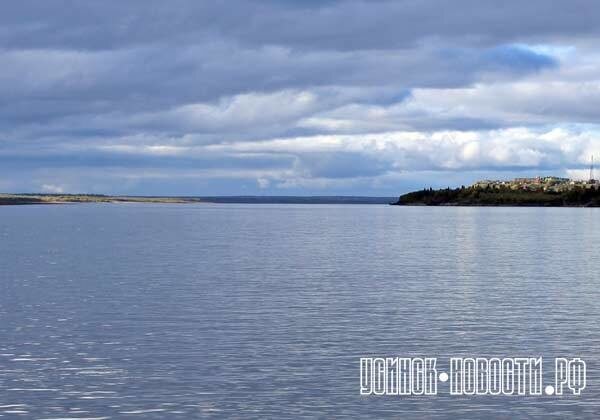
263, 311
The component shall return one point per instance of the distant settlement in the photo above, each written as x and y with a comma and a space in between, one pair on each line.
546, 184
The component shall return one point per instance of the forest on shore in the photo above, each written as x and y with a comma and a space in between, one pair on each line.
477, 196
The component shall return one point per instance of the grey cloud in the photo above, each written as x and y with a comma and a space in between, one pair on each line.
154, 88
341, 164
341, 25
148, 87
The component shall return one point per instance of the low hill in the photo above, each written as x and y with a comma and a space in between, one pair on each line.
476, 196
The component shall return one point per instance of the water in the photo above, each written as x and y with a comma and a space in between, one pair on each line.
263, 311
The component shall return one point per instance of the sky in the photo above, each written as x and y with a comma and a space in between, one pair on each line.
294, 97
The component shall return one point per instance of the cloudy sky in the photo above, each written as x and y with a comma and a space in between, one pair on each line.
294, 97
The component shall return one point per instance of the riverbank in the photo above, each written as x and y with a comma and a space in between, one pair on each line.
23, 199
478, 196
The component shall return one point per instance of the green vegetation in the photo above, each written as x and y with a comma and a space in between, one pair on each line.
478, 196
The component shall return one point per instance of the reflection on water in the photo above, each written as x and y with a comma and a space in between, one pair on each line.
184, 311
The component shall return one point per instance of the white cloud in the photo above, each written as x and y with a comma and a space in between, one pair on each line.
263, 183
52, 188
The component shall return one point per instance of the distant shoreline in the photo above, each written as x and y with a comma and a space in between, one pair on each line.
30, 199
